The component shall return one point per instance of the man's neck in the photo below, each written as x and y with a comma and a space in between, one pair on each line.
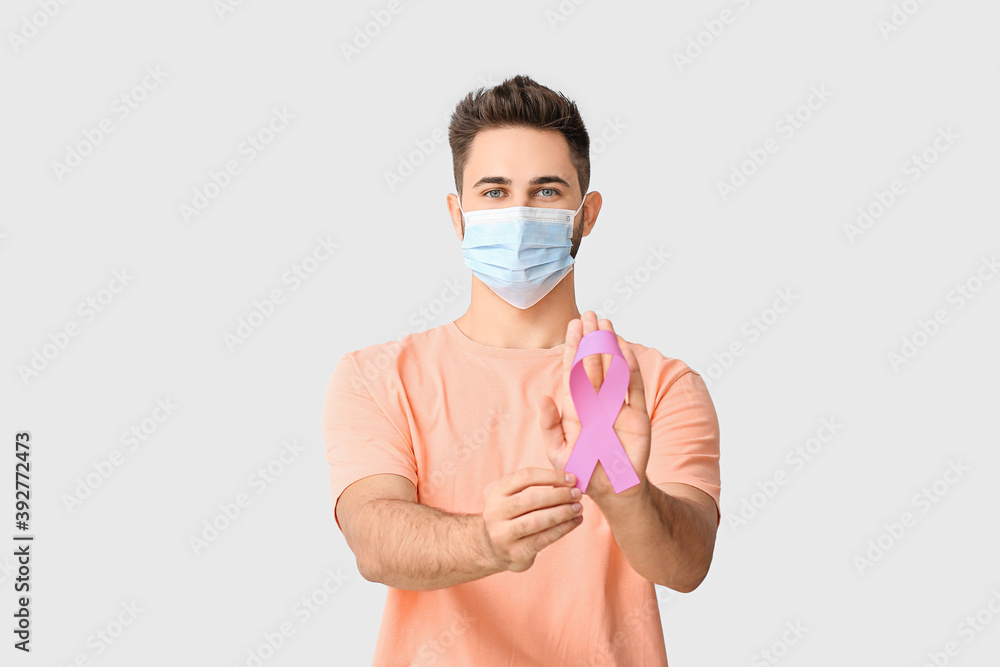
492, 321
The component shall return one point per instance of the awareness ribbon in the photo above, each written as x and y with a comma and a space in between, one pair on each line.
597, 412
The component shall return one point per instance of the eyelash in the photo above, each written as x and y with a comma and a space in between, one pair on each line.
555, 193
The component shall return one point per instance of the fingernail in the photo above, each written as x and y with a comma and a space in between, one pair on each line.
578, 519
569, 478
577, 507
575, 493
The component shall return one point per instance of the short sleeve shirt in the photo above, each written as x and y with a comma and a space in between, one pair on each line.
452, 415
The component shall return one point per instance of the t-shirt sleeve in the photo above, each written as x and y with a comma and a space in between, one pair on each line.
361, 440
685, 437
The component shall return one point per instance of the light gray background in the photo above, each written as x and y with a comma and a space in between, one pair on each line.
680, 131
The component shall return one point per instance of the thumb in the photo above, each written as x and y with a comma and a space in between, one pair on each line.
552, 431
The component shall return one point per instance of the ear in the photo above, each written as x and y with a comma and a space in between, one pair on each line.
591, 208
456, 215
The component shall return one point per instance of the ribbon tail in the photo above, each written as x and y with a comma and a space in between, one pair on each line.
582, 460
618, 468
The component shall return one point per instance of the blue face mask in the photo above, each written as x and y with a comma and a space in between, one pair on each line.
519, 252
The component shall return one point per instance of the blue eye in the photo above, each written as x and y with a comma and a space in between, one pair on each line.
551, 192
488, 194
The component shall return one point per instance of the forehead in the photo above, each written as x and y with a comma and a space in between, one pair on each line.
519, 153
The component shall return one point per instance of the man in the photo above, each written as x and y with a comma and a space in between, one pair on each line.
446, 448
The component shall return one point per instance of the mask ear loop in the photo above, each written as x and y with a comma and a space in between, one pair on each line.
578, 213
581, 206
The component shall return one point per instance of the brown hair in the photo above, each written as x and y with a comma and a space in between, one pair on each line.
518, 102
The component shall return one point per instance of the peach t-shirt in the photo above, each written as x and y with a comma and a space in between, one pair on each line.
452, 415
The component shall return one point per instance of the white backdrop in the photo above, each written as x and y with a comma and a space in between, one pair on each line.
205, 204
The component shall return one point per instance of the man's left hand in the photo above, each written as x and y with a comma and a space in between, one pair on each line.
561, 426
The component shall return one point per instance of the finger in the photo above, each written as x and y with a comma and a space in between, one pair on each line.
521, 479
636, 389
574, 332
539, 541
541, 520
538, 498
592, 364
605, 325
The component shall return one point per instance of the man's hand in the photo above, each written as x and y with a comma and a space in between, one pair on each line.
527, 511
561, 426
668, 538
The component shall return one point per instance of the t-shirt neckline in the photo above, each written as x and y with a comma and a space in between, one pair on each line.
481, 350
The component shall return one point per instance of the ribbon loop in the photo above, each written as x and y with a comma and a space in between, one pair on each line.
598, 411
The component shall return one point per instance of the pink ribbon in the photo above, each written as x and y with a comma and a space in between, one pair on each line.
598, 412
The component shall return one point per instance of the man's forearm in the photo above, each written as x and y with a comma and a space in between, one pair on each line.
662, 537
419, 548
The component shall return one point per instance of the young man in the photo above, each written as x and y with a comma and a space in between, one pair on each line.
446, 448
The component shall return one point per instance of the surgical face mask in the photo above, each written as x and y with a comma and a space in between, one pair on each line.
519, 252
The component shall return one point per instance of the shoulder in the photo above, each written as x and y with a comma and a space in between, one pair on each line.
379, 365
660, 372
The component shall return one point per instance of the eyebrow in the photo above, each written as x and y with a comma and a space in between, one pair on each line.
503, 180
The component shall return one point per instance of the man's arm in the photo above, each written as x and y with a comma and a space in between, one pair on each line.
666, 531
401, 543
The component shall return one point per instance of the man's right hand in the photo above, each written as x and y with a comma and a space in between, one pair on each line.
527, 511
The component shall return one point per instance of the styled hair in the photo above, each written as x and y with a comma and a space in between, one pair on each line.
518, 102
